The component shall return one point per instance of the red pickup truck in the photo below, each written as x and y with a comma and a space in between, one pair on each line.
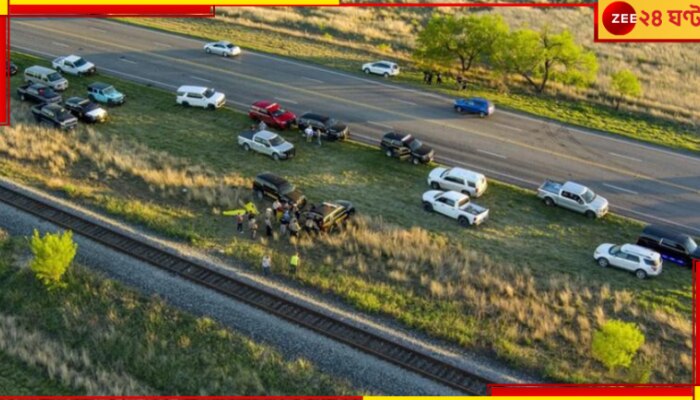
272, 114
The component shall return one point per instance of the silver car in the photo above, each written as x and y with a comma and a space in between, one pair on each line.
222, 48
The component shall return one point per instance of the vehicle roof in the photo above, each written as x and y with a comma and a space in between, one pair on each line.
396, 136
224, 42
272, 178
315, 116
663, 232
384, 61
53, 107
192, 89
72, 58
573, 187
640, 251
75, 99
464, 173
40, 68
38, 86
265, 104
455, 196
266, 134
99, 85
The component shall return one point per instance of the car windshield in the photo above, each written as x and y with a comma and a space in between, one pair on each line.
414, 144
54, 76
47, 92
614, 250
278, 112
588, 196
209, 92
62, 114
331, 122
80, 62
276, 141
229, 45
286, 188
691, 245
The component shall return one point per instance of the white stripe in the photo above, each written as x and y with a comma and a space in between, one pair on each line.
60, 44
405, 102
380, 124
97, 29
656, 218
162, 44
127, 61
619, 188
623, 156
233, 60
238, 103
491, 154
507, 126
311, 79
138, 78
199, 79
286, 100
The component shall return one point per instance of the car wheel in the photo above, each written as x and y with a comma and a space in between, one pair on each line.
435, 185
259, 194
548, 202
246, 147
415, 161
91, 97
110, 102
208, 50
389, 153
386, 75
275, 156
590, 214
427, 206
226, 54
366, 70
22, 97
59, 70
186, 104
211, 107
463, 221
482, 114
459, 109
603, 262
640, 274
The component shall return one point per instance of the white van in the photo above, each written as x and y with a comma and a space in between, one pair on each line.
200, 96
458, 179
47, 76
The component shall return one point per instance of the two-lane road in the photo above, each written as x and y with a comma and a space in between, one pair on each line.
642, 181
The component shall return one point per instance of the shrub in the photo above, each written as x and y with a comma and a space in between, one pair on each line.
616, 343
53, 254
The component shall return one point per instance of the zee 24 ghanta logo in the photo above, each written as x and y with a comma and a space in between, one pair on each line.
620, 18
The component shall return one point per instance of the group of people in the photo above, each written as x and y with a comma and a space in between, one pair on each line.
428, 77
310, 133
286, 215
294, 261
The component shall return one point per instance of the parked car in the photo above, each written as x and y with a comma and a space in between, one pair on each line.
105, 93
573, 196
636, 259
329, 216
38, 93
86, 110
330, 128
383, 68
675, 247
268, 143
11, 68
200, 96
458, 179
54, 115
456, 206
277, 188
404, 146
474, 105
46, 76
222, 48
74, 65
272, 114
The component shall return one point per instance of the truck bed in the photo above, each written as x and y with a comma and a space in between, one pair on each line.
551, 186
247, 135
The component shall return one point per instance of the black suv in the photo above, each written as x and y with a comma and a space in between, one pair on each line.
330, 128
328, 216
673, 246
405, 146
277, 188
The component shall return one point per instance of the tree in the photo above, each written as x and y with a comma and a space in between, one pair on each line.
53, 254
616, 343
624, 84
541, 56
469, 39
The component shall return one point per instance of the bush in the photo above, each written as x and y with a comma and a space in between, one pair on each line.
53, 254
616, 343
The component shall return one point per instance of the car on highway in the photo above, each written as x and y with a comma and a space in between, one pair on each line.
200, 96
268, 143
85, 110
405, 146
458, 179
455, 205
38, 93
54, 115
222, 48
573, 196
46, 76
383, 68
74, 65
329, 128
674, 246
11, 68
269, 185
474, 105
639, 260
105, 93
328, 217
272, 114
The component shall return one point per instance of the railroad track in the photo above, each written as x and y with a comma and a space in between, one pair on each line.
340, 331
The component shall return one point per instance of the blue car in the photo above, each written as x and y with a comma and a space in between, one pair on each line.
474, 105
105, 93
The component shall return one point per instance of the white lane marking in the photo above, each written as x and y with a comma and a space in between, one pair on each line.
491, 154
643, 215
97, 29
199, 79
59, 44
233, 60
620, 189
380, 124
162, 44
312, 79
514, 128
138, 78
30, 51
286, 100
127, 61
238, 103
624, 156
406, 102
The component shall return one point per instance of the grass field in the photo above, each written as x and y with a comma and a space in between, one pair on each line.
99, 338
521, 287
345, 38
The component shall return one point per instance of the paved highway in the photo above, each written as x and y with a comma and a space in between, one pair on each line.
641, 181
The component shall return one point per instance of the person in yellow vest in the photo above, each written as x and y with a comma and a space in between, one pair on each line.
294, 263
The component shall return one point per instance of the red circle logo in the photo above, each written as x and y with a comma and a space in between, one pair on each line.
619, 18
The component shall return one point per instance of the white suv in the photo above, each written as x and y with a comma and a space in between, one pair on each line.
200, 96
458, 179
384, 68
640, 260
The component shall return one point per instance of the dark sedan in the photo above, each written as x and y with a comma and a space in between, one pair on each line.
330, 128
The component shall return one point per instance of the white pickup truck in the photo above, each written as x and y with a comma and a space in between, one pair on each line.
573, 196
268, 143
455, 205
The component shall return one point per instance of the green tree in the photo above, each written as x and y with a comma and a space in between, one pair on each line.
541, 56
468, 40
624, 84
616, 343
53, 254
